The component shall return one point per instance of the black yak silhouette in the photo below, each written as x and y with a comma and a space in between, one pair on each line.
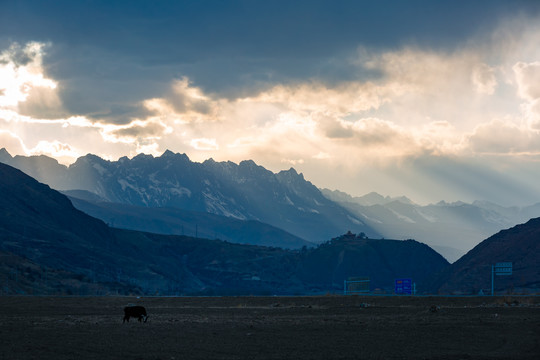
136, 312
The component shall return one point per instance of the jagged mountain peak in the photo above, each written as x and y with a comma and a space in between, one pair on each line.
251, 168
90, 158
143, 156
4, 153
249, 163
168, 154
291, 174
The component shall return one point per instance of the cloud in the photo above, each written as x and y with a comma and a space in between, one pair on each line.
185, 104
22, 75
55, 149
204, 144
386, 106
528, 80
504, 138
42, 102
135, 132
528, 85
322, 156
484, 80
12, 142
293, 162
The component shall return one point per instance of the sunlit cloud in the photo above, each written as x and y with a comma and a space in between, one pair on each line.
21, 74
55, 149
293, 162
504, 138
484, 80
528, 80
322, 156
12, 142
528, 84
204, 144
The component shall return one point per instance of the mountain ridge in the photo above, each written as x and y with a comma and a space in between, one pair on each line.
471, 274
450, 228
244, 191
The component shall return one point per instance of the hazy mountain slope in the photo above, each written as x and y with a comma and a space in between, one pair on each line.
41, 229
40, 226
46, 241
33, 209
519, 245
450, 228
174, 221
243, 191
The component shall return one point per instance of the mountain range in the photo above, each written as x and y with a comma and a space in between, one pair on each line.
171, 194
45, 236
242, 191
450, 228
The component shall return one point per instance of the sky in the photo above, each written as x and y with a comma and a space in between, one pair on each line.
434, 100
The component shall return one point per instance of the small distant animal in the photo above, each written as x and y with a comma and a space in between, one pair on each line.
136, 312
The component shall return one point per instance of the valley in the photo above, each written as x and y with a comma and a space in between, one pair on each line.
51, 247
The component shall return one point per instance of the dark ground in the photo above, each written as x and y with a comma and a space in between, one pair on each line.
326, 327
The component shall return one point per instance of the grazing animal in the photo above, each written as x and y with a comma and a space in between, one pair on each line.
136, 312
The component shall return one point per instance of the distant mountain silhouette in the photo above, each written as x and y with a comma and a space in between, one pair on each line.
472, 273
43, 234
244, 191
450, 228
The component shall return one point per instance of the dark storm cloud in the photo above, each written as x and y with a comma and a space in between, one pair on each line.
112, 55
149, 130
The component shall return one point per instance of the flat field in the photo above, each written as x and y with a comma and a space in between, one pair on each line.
325, 327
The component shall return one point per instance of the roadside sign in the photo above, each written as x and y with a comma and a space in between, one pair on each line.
403, 286
503, 268
356, 285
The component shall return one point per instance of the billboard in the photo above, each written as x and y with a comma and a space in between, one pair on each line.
403, 286
356, 285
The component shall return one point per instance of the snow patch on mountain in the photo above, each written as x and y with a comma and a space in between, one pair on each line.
354, 220
180, 191
402, 217
288, 201
429, 218
100, 169
215, 204
377, 221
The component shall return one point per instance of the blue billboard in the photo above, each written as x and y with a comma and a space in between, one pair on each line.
403, 286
